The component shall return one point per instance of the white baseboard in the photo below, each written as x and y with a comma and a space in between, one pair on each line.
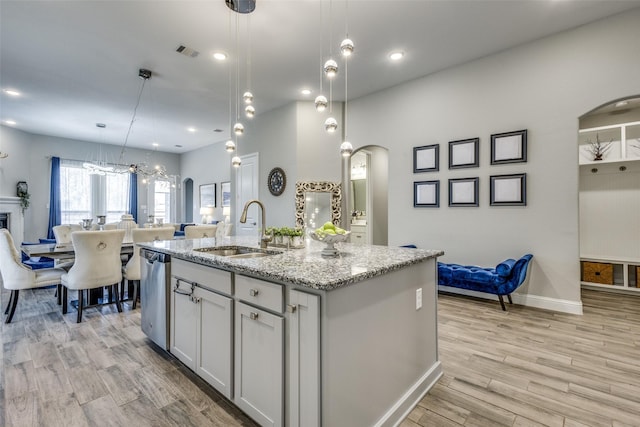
536, 301
401, 409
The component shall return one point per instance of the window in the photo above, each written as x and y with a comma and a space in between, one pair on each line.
85, 195
162, 200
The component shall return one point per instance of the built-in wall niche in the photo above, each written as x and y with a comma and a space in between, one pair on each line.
609, 196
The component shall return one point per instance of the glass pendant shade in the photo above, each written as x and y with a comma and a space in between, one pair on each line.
331, 68
230, 146
236, 162
346, 149
248, 97
330, 125
346, 47
238, 128
250, 111
321, 103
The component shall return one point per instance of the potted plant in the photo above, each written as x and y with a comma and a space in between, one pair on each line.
22, 191
286, 235
296, 236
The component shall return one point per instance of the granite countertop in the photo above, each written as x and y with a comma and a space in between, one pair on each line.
304, 267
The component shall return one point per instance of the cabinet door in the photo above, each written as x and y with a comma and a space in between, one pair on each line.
214, 340
259, 364
184, 321
304, 359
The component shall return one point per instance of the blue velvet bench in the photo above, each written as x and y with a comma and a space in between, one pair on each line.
502, 280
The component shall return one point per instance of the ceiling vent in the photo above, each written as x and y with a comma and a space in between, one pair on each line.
187, 51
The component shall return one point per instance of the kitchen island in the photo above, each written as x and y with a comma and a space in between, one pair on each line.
297, 339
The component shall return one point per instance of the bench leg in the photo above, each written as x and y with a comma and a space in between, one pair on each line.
510, 300
502, 303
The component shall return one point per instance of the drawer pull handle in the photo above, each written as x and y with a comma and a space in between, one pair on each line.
253, 316
291, 308
254, 292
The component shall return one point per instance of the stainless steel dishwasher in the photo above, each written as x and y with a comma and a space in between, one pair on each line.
155, 273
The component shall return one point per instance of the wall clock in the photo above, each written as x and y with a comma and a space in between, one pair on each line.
277, 181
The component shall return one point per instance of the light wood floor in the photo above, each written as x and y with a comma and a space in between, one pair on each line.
525, 367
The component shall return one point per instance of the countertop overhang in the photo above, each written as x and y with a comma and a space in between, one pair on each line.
304, 267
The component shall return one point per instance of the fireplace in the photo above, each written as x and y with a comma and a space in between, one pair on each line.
11, 217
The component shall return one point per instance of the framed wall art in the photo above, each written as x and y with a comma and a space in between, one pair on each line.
208, 195
509, 147
508, 190
225, 194
426, 158
464, 153
463, 191
426, 194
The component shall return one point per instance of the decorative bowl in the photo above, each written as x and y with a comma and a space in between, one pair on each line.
330, 240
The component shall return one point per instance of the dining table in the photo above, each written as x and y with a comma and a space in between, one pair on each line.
66, 251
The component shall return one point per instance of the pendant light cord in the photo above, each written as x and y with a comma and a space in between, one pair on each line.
133, 118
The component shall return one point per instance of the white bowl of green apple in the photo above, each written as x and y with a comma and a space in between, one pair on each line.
329, 233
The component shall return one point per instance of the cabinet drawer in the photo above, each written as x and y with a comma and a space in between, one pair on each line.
358, 237
261, 293
207, 277
597, 272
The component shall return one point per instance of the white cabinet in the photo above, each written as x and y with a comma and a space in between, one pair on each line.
610, 274
184, 318
359, 234
202, 325
259, 364
214, 352
304, 359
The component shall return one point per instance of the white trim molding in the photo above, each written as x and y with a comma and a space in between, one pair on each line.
536, 301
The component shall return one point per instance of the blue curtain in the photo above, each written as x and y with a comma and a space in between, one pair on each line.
55, 211
133, 195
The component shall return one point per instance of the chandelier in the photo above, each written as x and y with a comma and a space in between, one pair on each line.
99, 166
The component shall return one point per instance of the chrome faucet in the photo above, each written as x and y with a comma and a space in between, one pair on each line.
264, 239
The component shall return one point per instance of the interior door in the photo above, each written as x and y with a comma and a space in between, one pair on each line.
247, 180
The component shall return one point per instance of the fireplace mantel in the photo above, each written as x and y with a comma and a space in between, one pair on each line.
11, 205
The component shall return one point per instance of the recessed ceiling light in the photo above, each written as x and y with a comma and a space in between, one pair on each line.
396, 56
621, 104
191, 129
11, 92
306, 91
155, 144
220, 56
10, 122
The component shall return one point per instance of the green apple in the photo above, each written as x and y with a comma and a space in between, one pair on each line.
329, 226
330, 231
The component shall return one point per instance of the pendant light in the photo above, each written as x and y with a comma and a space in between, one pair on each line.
321, 100
346, 47
330, 69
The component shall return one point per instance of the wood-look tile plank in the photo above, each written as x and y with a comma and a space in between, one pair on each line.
51, 381
145, 413
86, 384
188, 384
155, 388
120, 384
64, 411
20, 379
182, 414
23, 410
44, 353
104, 412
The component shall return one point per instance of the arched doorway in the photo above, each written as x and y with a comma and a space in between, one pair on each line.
609, 195
367, 195
187, 206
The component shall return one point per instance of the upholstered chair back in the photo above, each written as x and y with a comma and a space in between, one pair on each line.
97, 261
199, 231
224, 229
62, 233
14, 274
132, 269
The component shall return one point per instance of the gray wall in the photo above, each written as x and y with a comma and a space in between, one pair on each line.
30, 160
543, 87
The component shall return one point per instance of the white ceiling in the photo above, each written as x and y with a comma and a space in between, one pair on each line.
76, 62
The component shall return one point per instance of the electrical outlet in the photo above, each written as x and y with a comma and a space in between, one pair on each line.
418, 298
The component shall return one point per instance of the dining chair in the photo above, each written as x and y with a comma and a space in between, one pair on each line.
97, 264
131, 272
62, 232
17, 277
199, 231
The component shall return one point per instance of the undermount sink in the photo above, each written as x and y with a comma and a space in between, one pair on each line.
237, 251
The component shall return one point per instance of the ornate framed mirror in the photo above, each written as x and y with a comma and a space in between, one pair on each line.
317, 202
